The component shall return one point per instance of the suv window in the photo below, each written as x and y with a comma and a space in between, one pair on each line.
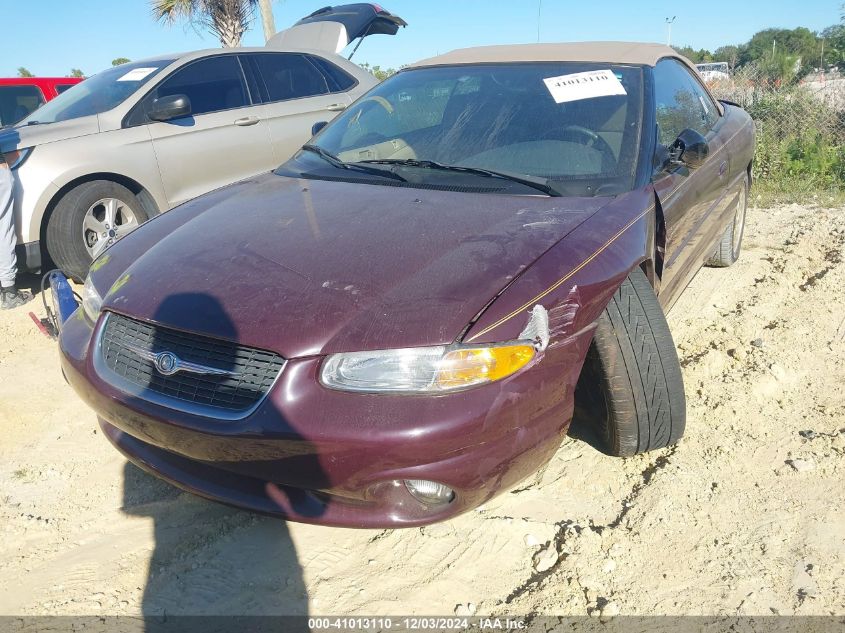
60, 88
290, 76
339, 80
16, 102
681, 102
212, 85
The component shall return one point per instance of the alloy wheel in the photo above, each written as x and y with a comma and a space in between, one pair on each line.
105, 222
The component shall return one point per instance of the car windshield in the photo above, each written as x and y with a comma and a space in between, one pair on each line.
97, 94
576, 126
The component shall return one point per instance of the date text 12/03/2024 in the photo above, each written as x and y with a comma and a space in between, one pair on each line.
417, 623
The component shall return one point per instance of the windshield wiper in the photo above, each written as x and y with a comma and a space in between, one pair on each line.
326, 155
334, 161
535, 182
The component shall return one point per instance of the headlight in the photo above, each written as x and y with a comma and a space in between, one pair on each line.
16, 157
424, 369
91, 300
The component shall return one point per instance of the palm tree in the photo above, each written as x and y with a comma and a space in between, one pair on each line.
228, 19
267, 19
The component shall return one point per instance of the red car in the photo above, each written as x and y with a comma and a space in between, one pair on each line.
399, 322
21, 95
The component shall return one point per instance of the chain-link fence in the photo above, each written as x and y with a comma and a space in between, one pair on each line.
800, 129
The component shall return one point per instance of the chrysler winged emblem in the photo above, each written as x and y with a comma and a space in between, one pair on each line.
167, 363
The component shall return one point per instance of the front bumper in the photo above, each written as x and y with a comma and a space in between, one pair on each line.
339, 458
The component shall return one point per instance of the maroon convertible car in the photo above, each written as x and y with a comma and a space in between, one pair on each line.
399, 322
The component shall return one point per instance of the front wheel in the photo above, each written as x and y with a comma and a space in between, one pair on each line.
631, 388
87, 220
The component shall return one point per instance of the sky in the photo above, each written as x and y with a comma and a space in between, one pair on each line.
50, 37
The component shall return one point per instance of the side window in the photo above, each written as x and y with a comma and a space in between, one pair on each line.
16, 102
212, 85
290, 76
711, 110
60, 88
339, 80
681, 102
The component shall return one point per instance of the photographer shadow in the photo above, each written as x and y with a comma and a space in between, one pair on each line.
209, 559
212, 560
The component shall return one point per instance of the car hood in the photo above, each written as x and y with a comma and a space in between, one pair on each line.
307, 267
34, 135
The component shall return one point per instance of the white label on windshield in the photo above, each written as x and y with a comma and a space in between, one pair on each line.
577, 86
137, 74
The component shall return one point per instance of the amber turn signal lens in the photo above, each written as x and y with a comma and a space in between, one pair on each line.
475, 365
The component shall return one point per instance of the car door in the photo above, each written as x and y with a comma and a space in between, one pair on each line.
297, 94
688, 197
222, 141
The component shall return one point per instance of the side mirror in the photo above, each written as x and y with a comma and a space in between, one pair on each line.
690, 148
319, 125
169, 108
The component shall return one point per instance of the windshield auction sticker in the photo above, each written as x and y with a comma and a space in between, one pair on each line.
577, 86
136, 74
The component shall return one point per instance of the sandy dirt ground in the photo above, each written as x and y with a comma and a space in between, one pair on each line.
745, 516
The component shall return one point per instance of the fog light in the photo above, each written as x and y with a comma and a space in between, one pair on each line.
429, 492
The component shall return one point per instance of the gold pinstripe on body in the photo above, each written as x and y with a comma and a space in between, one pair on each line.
562, 280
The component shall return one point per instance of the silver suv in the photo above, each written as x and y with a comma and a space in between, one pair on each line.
141, 138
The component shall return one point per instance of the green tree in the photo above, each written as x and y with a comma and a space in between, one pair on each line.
23, 72
729, 53
75, 72
782, 67
378, 72
834, 45
228, 19
800, 44
120, 61
695, 56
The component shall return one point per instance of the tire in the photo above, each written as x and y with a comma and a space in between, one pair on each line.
729, 246
631, 389
110, 208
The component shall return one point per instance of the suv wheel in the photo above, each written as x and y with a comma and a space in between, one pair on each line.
87, 220
631, 388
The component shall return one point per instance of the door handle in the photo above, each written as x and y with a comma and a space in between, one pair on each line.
247, 120
336, 107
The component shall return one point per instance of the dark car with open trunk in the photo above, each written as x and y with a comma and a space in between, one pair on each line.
398, 323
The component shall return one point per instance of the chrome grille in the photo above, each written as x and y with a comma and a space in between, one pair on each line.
126, 352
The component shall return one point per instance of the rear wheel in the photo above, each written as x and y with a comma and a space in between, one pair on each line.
87, 220
631, 388
728, 248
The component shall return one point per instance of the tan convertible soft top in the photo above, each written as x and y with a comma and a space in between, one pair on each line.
608, 52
